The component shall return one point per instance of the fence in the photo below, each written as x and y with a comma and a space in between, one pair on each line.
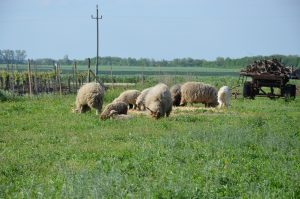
32, 78
47, 81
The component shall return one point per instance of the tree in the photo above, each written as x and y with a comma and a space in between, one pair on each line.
66, 60
20, 56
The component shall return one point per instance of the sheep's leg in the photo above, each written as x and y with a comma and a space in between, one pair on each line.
168, 113
79, 109
130, 106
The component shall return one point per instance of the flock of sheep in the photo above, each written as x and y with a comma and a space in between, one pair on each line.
157, 100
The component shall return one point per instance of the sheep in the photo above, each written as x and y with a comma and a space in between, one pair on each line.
197, 92
158, 101
176, 94
119, 107
140, 100
128, 97
114, 115
224, 95
89, 96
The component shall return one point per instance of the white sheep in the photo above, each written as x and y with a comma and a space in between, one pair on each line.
158, 101
89, 96
128, 97
224, 95
118, 107
140, 100
197, 92
176, 94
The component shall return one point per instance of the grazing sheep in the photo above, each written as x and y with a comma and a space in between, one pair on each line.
176, 94
158, 101
140, 100
89, 96
128, 97
119, 107
224, 95
114, 115
197, 92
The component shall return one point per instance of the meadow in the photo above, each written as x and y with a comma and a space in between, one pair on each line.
251, 150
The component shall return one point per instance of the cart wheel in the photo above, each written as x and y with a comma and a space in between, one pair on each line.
289, 92
248, 90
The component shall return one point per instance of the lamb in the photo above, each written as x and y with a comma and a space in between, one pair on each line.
197, 92
176, 94
158, 101
140, 100
224, 95
119, 107
89, 96
128, 97
114, 115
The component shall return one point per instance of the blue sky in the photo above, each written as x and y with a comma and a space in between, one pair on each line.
159, 29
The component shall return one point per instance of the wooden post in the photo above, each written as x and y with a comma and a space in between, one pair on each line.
36, 87
75, 75
111, 76
89, 70
29, 77
143, 76
69, 84
59, 78
54, 82
12, 78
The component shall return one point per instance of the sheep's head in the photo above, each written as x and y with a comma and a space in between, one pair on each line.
104, 116
155, 114
113, 113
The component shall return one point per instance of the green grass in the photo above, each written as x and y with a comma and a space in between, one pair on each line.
250, 151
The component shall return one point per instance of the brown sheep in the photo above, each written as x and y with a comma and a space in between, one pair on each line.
176, 94
119, 107
197, 92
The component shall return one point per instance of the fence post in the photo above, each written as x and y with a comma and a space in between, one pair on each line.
29, 77
89, 70
111, 76
59, 79
69, 84
36, 86
75, 75
12, 83
143, 76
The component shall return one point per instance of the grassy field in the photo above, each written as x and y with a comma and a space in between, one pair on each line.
251, 150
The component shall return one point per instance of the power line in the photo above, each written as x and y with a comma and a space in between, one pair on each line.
97, 18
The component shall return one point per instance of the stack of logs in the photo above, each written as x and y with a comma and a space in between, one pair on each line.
272, 66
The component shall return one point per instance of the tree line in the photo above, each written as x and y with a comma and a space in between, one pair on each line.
19, 57
12, 56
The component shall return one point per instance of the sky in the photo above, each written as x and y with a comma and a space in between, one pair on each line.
158, 29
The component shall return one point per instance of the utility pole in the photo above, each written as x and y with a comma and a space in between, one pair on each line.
97, 18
